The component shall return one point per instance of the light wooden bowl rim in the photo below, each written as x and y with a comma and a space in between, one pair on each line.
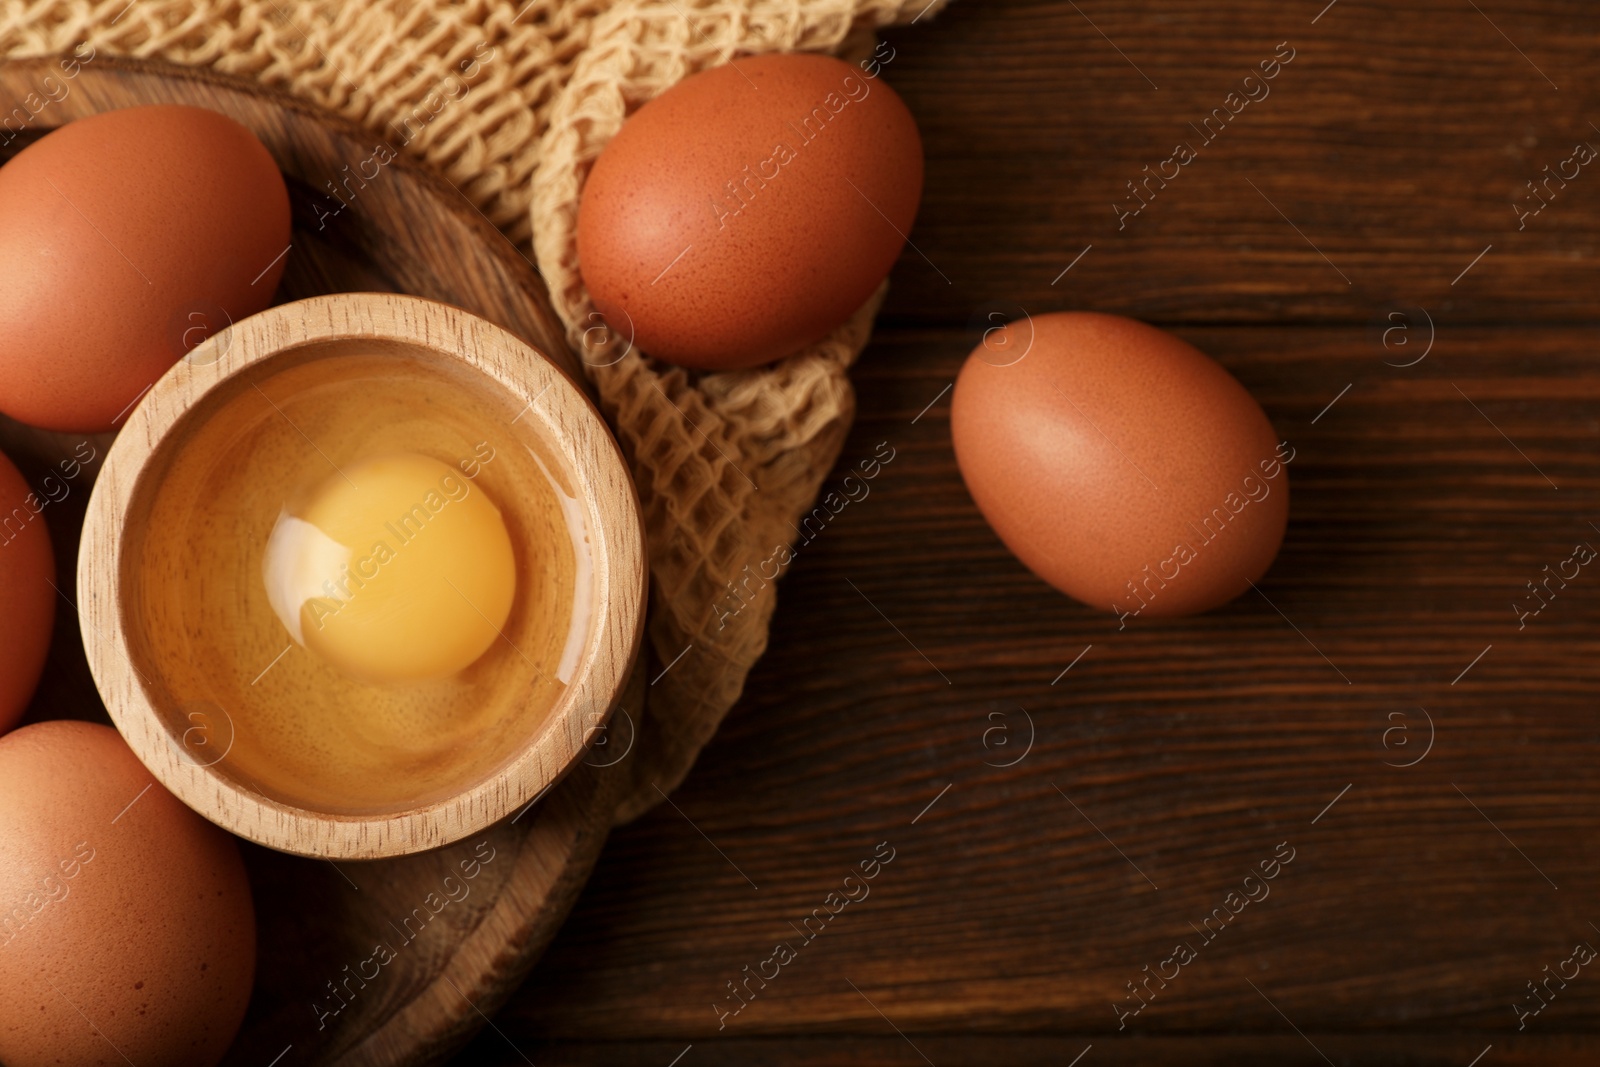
567, 420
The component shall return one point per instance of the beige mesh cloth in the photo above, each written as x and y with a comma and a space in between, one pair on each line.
725, 463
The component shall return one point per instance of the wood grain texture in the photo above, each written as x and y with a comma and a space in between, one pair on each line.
1397, 140
1417, 907
1346, 1050
407, 231
1196, 746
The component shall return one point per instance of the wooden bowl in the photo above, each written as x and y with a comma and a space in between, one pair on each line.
161, 663
413, 232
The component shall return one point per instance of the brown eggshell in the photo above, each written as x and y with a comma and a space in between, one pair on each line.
128, 933
126, 238
27, 567
1120, 464
750, 209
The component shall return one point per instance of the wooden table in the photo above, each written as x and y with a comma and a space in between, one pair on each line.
1376, 710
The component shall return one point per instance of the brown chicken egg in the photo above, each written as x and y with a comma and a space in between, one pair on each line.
127, 932
127, 238
27, 569
750, 209
1120, 464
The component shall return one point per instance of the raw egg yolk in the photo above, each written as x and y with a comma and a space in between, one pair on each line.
396, 568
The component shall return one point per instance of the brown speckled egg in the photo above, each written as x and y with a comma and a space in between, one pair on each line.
750, 209
127, 918
127, 238
27, 567
1120, 464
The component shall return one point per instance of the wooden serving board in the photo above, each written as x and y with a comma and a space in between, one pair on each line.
454, 950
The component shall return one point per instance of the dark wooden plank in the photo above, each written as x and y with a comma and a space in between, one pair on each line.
1428, 1050
1197, 746
1397, 140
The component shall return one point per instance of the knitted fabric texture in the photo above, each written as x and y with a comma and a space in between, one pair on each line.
725, 464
